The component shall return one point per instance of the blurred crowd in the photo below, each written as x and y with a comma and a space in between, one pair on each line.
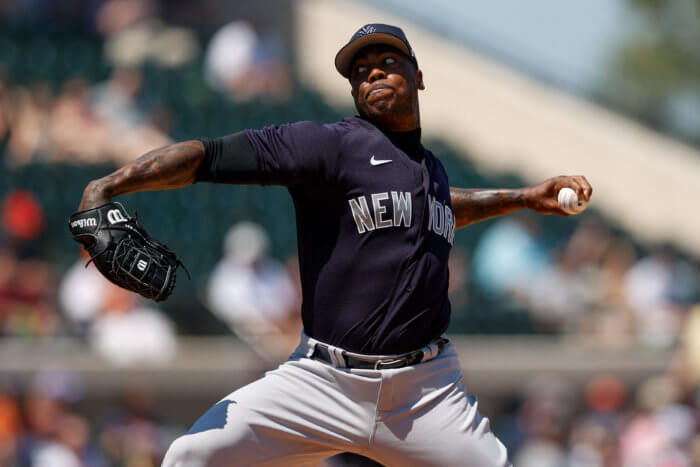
43, 424
112, 120
608, 424
594, 284
82, 123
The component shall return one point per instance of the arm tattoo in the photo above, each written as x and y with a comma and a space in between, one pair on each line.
475, 205
165, 168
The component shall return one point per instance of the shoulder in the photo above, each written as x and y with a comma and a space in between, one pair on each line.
347, 132
303, 136
354, 132
306, 130
353, 125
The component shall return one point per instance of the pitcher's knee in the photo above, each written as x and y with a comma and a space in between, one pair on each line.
210, 448
184, 452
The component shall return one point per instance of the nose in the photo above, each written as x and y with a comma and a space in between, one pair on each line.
375, 74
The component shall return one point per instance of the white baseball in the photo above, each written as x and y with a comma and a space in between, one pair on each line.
569, 202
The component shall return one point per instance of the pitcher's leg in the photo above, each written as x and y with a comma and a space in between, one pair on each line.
448, 431
295, 415
427, 418
238, 442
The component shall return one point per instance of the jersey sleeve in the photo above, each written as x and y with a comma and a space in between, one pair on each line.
295, 154
230, 159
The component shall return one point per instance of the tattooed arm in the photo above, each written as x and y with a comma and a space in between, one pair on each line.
474, 205
165, 168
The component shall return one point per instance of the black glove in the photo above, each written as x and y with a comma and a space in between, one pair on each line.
124, 253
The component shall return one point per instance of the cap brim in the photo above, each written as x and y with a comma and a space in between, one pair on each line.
343, 60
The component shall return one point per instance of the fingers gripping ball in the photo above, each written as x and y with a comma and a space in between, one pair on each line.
124, 252
569, 202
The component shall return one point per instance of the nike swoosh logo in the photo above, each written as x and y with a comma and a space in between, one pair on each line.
374, 161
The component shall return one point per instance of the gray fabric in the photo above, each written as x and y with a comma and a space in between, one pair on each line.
305, 411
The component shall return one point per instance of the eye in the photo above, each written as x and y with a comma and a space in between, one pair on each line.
389, 61
361, 68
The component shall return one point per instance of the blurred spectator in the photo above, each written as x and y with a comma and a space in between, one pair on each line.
657, 434
572, 285
152, 41
605, 394
132, 434
55, 436
76, 132
557, 297
29, 307
648, 290
254, 293
509, 254
130, 134
114, 101
27, 302
28, 134
117, 15
648, 283
70, 446
611, 324
82, 292
593, 433
543, 421
244, 65
134, 35
129, 332
22, 219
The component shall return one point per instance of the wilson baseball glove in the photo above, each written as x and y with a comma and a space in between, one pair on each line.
124, 253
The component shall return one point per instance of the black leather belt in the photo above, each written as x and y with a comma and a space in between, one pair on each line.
322, 353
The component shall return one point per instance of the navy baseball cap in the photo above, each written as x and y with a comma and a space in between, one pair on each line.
371, 34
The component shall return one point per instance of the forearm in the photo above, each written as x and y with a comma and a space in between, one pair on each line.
164, 168
474, 205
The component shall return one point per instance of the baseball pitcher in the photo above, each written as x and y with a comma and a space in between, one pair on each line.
374, 372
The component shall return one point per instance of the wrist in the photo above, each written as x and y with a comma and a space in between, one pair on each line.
95, 194
526, 197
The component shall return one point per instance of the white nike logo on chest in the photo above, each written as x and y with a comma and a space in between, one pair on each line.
374, 161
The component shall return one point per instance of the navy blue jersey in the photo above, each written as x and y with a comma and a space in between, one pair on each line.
375, 228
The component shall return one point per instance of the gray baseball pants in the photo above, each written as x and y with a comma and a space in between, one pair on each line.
306, 410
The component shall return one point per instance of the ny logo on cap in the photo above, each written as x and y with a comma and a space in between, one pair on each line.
366, 30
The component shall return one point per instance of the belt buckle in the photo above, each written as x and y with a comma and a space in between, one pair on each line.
387, 362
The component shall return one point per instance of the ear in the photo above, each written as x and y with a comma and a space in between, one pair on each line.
419, 80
